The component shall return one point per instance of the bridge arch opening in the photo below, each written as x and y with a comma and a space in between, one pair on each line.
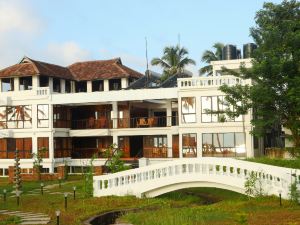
179, 186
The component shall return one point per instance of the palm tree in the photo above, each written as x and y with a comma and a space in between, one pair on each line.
173, 60
209, 56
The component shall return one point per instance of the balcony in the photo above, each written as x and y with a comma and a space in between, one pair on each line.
92, 123
208, 82
23, 154
137, 122
147, 122
155, 152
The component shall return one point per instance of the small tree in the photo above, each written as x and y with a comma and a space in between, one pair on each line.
294, 193
114, 162
17, 177
38, 159
253, 185
88, 178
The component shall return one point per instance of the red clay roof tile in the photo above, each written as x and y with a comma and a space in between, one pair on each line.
89, 70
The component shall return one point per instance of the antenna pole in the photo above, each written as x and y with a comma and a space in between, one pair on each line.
146, 53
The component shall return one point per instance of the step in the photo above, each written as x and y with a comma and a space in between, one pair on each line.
36, 219
34, 222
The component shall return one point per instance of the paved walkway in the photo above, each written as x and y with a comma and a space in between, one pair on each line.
29, 218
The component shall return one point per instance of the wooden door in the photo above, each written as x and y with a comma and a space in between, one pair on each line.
175, 146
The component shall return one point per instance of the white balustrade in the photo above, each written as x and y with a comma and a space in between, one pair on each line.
212, 172
206, 82
43, 91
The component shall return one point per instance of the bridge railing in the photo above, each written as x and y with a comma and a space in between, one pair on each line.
230, 172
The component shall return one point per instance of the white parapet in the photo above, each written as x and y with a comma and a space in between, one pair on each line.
209, 82
226, 173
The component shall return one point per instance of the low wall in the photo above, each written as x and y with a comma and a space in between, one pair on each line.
35, 176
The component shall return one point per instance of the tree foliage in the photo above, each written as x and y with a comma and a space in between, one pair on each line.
209, 56
275, 73
173, 61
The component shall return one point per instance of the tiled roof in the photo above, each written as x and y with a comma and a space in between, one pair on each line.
90, 70
102, 69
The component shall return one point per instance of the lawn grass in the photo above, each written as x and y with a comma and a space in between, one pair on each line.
9, 220
182, 207
233, 210
289, 163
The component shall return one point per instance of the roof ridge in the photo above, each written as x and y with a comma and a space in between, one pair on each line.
98, 60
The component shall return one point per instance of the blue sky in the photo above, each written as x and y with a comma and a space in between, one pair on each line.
65, 31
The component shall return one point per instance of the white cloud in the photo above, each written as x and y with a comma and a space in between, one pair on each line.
66, 53
18, 17
133, 61
19, 26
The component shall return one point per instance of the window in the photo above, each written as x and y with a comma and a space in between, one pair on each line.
18, 116
25, 83
61, 116
44, 81
43, 115
43, 146
213, 107
97, 85
223, 144
114, 84
68, 86
188, 110
189, 145
8, 147
7, 84
80, 86
56, 85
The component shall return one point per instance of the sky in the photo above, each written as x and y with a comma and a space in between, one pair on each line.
66, 31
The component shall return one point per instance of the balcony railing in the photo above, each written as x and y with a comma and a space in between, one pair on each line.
147, 122
23, 154
155, 152
91, 123
206, 82
137, 122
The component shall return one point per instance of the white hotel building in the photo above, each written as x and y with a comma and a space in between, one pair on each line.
76, 112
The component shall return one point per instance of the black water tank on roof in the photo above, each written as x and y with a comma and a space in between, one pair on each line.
248, 50
229, 52
238, 54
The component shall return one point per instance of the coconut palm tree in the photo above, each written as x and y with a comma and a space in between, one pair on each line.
173, 60
209, 56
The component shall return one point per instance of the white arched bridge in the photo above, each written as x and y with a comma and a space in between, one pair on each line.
225, 173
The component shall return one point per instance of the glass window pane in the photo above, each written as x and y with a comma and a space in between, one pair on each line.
189, 118
229, 140
188, 105
206, 104
218, 140
207, 139
206, 118
214, 103
214, 118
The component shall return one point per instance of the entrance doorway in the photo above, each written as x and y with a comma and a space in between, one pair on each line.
136, 146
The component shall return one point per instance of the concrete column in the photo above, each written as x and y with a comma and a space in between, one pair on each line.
51, 146
249, 144
34, 144
114, 114
72, 86
124, 82
170, 144
89, 86
180, 145
63, 86
169, 113
51, 84
16, 84
115, 139
35, 82
199, 145
106, 85
34, 116
50, 116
